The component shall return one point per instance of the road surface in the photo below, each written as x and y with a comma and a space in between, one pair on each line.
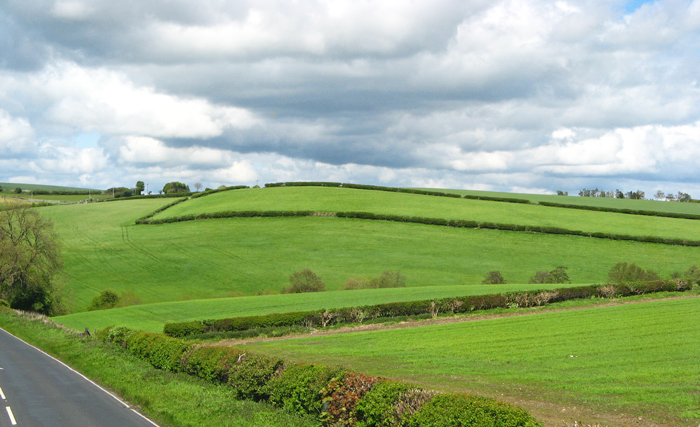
37, 390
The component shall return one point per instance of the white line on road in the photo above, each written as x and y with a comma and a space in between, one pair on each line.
2, 395
12, 417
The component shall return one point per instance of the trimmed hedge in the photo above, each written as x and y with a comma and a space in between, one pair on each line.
421, 308
333, 395
622, 211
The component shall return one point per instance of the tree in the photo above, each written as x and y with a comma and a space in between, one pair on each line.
176, 187
198, 186
388, 279
18, 190
623, 272
140, 187
105, 300
304, 281
659, 195
683, 197
30, 259
493, 278
558, 275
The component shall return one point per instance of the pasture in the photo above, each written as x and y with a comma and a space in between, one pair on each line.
637, 359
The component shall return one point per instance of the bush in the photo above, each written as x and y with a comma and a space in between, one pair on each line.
250, 375
388, 279
623, 272
304, 281
493, 278
354, 283
299, 387
462, 410
183, 329
377, 407
105, 300
161, 351
558, 275
211, 363
341, 396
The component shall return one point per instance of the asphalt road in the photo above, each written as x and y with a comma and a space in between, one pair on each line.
37, 390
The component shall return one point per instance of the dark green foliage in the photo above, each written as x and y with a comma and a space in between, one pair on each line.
4, 303
161, 351
558, 275
377, 407
105, 300
250, 375
493, 278
18, 190
304, 281
176, 187
623, 272
183, 329
459, 410
299, 387
341, 396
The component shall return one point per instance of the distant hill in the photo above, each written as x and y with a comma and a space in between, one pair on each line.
12, 185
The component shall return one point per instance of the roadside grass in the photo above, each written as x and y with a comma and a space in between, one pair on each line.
638, 359
228, 257
167, 398
333, 199
152, 317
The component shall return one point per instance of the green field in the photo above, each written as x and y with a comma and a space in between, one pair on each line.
332, 199
152, 317
218, 258
640, 359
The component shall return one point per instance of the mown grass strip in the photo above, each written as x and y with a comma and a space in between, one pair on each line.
170, 399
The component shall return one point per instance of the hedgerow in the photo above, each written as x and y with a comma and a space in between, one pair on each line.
266, 323
333, 395
623, 211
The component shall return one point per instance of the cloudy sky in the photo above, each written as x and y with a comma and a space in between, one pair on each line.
515, 95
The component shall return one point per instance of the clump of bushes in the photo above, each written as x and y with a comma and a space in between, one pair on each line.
493, 278
388, 279
558, 275
304, 281
623, 272
109, 299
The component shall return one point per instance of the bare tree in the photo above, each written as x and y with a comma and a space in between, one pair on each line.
198, 186
30, 259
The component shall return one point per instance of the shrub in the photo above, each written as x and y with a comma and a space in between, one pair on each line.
540, 277
558, 275
354, 283
623, 272
304, 281
388, 279
183, 329
377, 407
693, 274
341, 396
105, 300
299, 387
4, 303
251, 373
493, 278
462, 410
209, 362
161, 351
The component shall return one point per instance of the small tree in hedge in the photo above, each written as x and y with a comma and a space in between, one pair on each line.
304, 281
493, 278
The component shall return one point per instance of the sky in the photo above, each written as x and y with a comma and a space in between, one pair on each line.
527, 96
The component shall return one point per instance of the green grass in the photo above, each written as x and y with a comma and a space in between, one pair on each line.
9, 186
169, 399
152, 317
640, 359
331, 199
218, 258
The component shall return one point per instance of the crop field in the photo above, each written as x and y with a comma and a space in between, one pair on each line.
637, 359
152, 317
331, 199
228, 257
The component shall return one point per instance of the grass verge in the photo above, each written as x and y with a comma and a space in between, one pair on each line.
167, 398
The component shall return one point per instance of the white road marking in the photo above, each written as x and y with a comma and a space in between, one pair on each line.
2, 395
12, 417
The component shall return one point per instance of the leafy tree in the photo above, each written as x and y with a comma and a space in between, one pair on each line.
558, 275
623, 272
683, 197
304, 281
140, 187
540, 277
198, 186
659, 195
562, 193
105, 300
30, 259
176, 187
388, 279
18, 190
493, 278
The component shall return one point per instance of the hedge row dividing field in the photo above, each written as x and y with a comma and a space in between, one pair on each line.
455, 305
334, 395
